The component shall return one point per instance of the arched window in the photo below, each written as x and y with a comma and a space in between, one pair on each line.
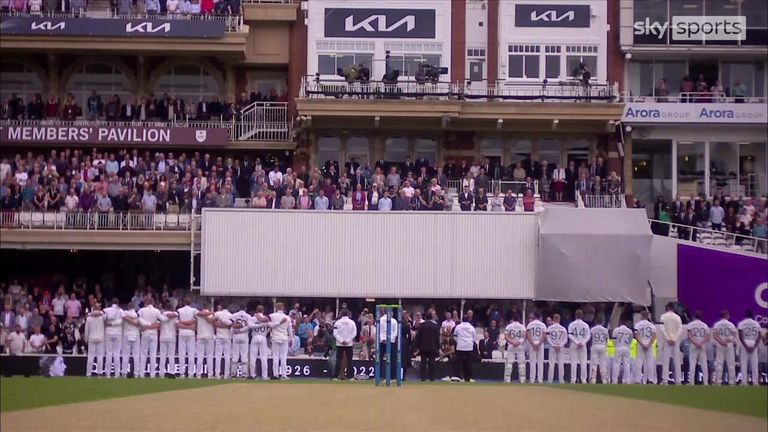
191, 83
21, 80
105, 79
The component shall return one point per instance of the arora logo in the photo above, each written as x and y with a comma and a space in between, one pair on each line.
652, 113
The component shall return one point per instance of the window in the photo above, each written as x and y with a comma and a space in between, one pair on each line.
577, 54
552, 66
191, 83
476, 52
103, 78
19, 79
329, 64
524, 61
408, 64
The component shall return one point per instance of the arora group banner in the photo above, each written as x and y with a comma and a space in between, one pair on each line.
711, 280
703, 113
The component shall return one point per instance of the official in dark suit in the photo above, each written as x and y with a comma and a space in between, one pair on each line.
428, 345
203, 111
466, 199
129, 111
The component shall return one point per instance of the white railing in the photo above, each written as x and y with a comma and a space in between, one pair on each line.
313, 87
708, 236
269, 1
605, 201
129, 221
232, 23
692, 97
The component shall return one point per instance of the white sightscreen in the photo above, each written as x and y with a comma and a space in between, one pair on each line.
368, 254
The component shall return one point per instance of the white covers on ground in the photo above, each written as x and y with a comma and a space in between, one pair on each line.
594, 255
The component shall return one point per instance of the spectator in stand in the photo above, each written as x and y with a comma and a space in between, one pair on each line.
385, 202
687, 86
466, 199
528, 201
481, 200
17, 6
94, 105
558, 182
662, 90
36, 108
112, 109
152, 7
497, 202
52, 108
172, 7
739, 91
16, 342
760, 231
36, 341
70, 111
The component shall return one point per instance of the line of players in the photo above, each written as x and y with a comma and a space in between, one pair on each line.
581, 339
209, 343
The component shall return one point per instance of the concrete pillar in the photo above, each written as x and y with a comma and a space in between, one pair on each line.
628, 169
343, 137
535, 148
142, 78
52, 85
230, 83
377, 150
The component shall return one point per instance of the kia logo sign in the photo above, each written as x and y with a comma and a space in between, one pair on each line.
147, 27
552, 15
380, 23
47, 25
113, 27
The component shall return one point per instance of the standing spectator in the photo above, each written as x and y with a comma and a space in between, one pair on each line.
528, 201
73, 307
466, 199
59, 303
152, 7
739, 91
662, 90
321, 201
510, 202
338, 200
481, 200
94, 105
358, 198
36, 341
558, 182
716, 215
70, 111
385, 203
16, 342
465, 347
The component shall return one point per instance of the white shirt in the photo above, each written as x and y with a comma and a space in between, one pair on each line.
516, 332
37, 342
408, 191
204, 329
114, 321
94, 328
672, 326
58, 305
383, 329
281, 331
149, 315
557, 335
645, 331
224, 317
344, 330
725, 330
599, 336
259, 328
15, 343
623, 336
130, 331
186, 313
698, 331
578, 332
275, 175
537, 330
465, 336
447, 326
242, 318
21, 178
558, 174
751, 331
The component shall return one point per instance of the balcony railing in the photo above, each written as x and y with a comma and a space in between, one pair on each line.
575, 91
692, 97
96, 221
723, 239
232, 23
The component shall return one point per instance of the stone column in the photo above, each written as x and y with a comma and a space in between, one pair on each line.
52, 84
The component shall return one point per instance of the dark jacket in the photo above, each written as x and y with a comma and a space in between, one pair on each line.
428, 337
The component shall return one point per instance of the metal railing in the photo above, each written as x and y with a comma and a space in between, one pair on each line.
314, 87
605, 201
95, 221
233, 23
707, 236
496, 186
692, 97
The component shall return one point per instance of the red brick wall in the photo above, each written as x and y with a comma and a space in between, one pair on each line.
458, 40
493, 41
615, 57
297, 61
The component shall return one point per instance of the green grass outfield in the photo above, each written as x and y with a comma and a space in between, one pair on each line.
20, 393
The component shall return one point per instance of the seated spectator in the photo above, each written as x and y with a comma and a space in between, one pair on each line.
152, 7
172, 7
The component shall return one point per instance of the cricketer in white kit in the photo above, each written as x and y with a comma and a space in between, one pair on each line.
282, 334
515, 334
579, 336
623, 337
258, 349
645, 333
168, 343
672, 330
725, 335
598, 358
149, 318
186, 325
131, 344
749, 335
94, 335
698, 336
240, 341
223, 348
557, 336
536, 334
205, 342
114, 338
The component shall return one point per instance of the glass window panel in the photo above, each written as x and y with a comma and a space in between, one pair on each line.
17, 78
326, 65
756, 13
652, 170
656, 10
686, 7
343, 61
189, 83
723, 169
515, 66
690, 168
733, 72
552, 66
673, 72
366, 59
721, 7
752, 168
572, 64
532, 66
105, 79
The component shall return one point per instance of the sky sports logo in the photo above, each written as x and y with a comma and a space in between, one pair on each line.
696, 28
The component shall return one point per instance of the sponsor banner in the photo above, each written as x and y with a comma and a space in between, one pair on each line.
145, 135
709, 30
711, 280
380, 23
552, 15
118, 27
640, 112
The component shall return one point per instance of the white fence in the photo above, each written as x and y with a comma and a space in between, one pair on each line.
131, 221
605, 201
718, 238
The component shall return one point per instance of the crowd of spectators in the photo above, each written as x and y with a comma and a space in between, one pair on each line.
700, 91
745, 216
128, 7
148, 108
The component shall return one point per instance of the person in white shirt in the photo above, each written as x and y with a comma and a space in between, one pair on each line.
205, 342
645, 333
223, 346
446, 327
240, 341
536, 336
393, 332
558, 179
725, 334
168, 342
94, 336
275, 175
149, 319
578, 335
672, 330
557, 336
345, 331
598, 359
514, 333
749, 336
16, 342
465, 346
113, 320
58, 305
186, 327
36, 341
282, 335
258, 350
698, 336
131, 343
622, 336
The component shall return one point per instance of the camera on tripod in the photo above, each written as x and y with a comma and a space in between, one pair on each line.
354, 73
428, 73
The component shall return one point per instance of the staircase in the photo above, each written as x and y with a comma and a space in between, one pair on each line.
264, 121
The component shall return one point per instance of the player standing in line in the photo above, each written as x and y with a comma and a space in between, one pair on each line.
749, 335
168, 343
114, 338
130, 348
623, 336
672, 330
282, 335
725, 334
205, 342
258, 350
223, 347
578, 334
94, 335
645, 333
515, 334
598, 359
698, 335
240, 341
149, 319
186, 325
557, 336
536, 333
